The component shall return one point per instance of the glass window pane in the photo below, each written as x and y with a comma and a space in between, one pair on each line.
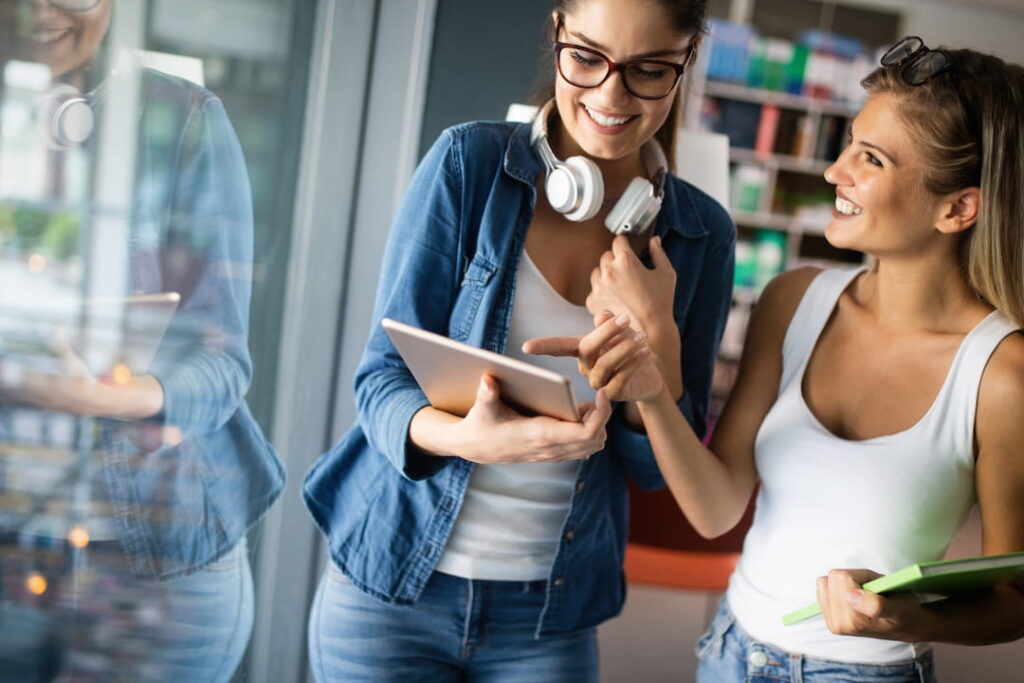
148, 161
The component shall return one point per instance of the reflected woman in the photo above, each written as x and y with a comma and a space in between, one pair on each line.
174, 467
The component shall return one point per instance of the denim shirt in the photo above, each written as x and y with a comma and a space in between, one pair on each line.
186, 485
450, 266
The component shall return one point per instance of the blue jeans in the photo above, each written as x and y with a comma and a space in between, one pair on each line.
103, 624
459, 630
726, 653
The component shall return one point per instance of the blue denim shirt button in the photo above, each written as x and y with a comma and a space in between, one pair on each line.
579, 486
757, 658
569, 535
559, 582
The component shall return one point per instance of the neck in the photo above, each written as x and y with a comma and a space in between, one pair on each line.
617, 173
919, 295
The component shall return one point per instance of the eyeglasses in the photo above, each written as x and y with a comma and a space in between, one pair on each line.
648, 79
74, 5
916, 62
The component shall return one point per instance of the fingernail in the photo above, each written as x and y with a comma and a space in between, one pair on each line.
622, 320
639, 337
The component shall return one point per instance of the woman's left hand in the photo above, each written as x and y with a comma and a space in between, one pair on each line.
850, 610
72, 388
623, 285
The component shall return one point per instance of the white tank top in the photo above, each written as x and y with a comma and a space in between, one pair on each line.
511, 519
826, 502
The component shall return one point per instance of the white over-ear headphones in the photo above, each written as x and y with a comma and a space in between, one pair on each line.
66, 116
575, 187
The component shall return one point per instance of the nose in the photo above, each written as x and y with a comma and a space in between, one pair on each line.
837, 173
613, 90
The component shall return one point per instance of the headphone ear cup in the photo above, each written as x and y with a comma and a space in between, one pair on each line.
561, 188
66, 117
589, 188
635, 210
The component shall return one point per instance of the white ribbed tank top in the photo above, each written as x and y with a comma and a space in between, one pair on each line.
826, 502
510, 522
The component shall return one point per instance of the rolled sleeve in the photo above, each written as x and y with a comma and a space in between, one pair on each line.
203, 363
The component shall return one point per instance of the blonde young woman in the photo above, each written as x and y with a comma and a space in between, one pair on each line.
874, 407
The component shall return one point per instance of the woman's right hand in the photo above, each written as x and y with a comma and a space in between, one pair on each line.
613, 357
493, 433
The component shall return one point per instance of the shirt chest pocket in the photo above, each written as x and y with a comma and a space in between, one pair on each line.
475, 280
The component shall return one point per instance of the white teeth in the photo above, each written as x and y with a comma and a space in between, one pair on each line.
606, 120
847, 208
47, 36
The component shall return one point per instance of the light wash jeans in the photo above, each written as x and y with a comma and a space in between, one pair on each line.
106, 625
459, 630
727, 654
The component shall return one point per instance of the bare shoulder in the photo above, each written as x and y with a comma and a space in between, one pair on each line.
1001, 394
781, 297
999, 431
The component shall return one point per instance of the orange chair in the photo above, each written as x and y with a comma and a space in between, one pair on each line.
665, 550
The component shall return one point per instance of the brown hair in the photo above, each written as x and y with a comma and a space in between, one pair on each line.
687, 17
969, 126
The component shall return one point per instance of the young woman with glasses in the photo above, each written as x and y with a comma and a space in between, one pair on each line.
873, 407
490, 546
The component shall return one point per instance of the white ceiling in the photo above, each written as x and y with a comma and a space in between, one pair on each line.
1016, 6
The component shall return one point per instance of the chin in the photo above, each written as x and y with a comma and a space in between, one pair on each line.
836, 237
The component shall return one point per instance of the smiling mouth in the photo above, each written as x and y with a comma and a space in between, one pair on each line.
607, 121
47, 36
847, 208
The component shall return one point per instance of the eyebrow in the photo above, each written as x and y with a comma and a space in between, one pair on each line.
862, 143
646, 55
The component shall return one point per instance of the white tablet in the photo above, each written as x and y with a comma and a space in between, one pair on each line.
449, 373
104, 332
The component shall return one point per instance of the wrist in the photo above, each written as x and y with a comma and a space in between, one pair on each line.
135, 398
656, 323
660, 401
435, 432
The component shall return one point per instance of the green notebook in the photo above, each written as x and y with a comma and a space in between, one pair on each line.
943, 578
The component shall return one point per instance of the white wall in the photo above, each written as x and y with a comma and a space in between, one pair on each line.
961, 23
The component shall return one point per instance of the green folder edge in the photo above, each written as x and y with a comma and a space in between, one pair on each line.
879, 585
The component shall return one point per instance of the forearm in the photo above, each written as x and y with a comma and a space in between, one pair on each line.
712, 497
433, 432
663, 340
982, 618
138, 398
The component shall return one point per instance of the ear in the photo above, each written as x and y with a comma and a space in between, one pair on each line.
556, 23
959, 211
698, 43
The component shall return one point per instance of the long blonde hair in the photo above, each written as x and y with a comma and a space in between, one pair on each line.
969, 125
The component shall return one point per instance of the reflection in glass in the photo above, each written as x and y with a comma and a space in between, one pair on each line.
130, 466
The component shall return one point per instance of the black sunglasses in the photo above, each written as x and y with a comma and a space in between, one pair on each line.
916, 64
